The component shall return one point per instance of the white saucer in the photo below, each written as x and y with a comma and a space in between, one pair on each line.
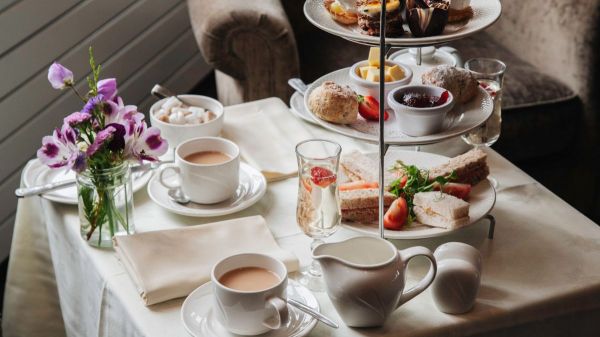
36, 173
253, 186
198, 316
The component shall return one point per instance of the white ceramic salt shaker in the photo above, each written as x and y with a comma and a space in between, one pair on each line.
458, 277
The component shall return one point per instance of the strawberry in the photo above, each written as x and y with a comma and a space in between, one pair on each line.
321, 176
368, 108
396, 216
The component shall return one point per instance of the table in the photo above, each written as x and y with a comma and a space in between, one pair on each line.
541, 271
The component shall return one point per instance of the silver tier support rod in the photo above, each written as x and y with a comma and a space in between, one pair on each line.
382, 98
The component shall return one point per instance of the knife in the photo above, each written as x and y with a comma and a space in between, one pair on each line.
40, 189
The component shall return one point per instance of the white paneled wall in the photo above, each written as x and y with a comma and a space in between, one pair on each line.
140, 42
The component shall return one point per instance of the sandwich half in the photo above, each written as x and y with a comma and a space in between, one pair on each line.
363, 205
440, 210
470, 167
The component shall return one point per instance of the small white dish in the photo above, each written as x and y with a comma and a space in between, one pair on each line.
176, 134
252, 187
198, 315
36, 173
369, 88
415, 121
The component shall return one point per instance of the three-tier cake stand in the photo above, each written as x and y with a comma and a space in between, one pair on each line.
486, 13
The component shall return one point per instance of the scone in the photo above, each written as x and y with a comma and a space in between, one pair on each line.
334, 103
459, 82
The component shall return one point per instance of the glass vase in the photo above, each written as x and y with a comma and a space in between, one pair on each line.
105, 199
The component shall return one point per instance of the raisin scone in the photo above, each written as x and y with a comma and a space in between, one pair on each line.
334, 103
459, 82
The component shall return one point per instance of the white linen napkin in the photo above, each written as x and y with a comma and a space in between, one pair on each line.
267, 136
172, 263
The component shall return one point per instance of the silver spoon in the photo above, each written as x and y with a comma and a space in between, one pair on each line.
162, 92
298, 85
177, 195
310, 311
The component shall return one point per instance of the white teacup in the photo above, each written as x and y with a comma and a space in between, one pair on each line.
250, 312
205, 183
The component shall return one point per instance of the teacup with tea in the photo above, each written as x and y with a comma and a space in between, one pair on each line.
207, 168
249, 293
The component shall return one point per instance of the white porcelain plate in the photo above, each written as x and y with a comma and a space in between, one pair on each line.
297, 108
253, 186
482, 199
36, 173
485, 13
199, 320
462, 119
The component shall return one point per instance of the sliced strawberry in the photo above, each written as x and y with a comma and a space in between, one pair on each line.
368, 108
321, 176
443, 98
461, 191
395, 217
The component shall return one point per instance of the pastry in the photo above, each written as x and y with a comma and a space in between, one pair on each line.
427, 17
460, 10
459, 82
334, 103
340, 13
369, 12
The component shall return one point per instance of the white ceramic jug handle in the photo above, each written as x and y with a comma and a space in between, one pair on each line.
278, 309
406, 255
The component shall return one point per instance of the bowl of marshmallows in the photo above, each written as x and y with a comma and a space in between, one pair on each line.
199, 116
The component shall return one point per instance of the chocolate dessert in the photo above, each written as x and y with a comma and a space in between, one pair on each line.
369, 12
427, 17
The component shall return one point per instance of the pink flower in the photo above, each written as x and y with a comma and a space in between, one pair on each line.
59, 76
60, 150
77, 118
107, 88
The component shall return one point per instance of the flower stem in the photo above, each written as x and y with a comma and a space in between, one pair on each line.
77, 93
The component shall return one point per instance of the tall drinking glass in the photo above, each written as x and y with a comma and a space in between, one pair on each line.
318, 212
490, 74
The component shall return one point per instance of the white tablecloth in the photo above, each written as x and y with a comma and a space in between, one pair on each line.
544, 262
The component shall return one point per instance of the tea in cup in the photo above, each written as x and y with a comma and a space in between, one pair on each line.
207, 168
249, 293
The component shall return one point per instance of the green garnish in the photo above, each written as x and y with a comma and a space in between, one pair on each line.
417, 180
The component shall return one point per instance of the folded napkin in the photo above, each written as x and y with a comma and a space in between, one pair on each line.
172, 263
267, 136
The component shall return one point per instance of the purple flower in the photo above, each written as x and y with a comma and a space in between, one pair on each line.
60, 149
117, 141
145, 143
92, 103
80, 163
102, 137
77, 118
59, 76
108, 88
112, 136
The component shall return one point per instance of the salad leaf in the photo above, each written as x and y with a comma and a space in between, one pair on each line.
417, 180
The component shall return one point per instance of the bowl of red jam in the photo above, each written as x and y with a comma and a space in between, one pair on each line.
420, 109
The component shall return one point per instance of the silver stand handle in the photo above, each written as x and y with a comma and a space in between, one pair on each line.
298, 85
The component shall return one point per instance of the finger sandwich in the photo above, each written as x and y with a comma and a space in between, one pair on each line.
440, 210
470, 168
363, 205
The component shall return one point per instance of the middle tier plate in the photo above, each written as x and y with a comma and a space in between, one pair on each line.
461, 119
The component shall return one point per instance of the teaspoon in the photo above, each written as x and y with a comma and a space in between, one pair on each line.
310, 311
177, 195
